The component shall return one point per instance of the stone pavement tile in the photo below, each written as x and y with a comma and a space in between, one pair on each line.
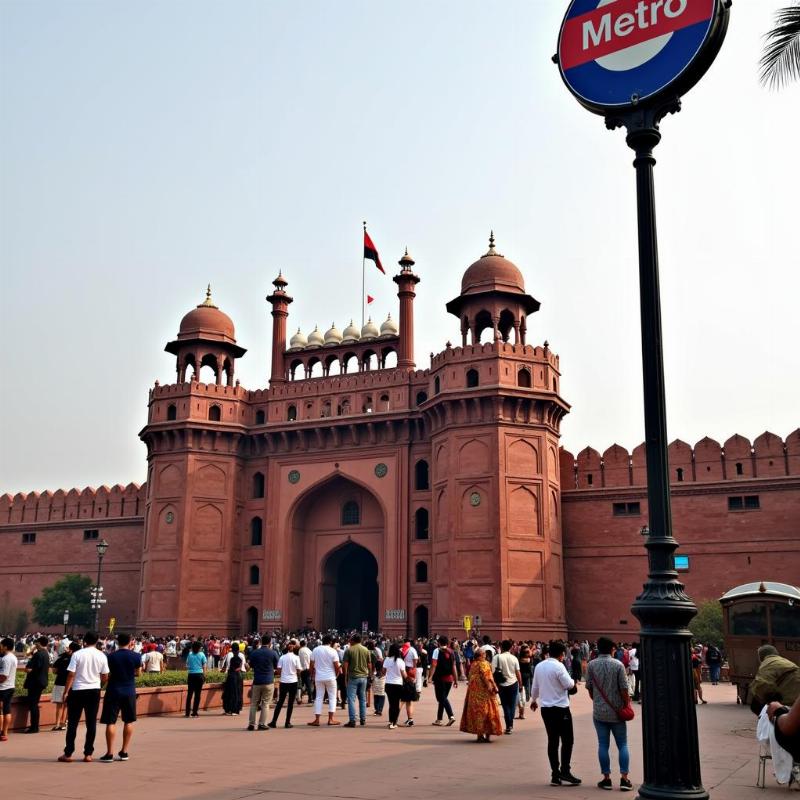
214, 758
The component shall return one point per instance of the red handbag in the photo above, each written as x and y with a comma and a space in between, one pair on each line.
625, 713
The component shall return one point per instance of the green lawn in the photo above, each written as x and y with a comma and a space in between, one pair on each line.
172, 677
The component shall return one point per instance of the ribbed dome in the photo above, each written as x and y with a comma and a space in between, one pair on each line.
351, 333
206, 319
492, 272
389, 327
315, 338
332, 335
370, 330
298, 341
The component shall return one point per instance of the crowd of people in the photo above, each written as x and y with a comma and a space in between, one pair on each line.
332, 672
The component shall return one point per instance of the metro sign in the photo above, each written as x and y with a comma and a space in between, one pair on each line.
618, 53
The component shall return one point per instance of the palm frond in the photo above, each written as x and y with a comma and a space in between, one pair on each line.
780, 61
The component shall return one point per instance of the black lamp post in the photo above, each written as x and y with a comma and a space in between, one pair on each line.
102, 546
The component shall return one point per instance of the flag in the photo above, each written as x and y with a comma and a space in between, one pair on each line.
370, 299
371, 252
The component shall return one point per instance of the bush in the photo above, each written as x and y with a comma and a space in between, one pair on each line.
172, 677
706, 627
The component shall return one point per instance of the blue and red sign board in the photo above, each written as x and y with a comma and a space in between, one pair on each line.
616, 53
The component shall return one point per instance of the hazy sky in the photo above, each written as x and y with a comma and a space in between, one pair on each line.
149, 148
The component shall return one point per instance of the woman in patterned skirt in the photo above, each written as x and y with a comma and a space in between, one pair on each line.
481, 707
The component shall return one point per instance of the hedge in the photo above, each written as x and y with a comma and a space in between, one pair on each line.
172, 677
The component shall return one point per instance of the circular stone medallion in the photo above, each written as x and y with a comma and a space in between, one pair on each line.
475, 499
294, 476
381, 470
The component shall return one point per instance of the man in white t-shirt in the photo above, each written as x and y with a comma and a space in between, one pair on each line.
304, 685
552, 685
153, 662
289, 671
8, 677
325, 668
86, 674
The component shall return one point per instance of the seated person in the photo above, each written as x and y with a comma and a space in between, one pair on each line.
787, 727
777, 679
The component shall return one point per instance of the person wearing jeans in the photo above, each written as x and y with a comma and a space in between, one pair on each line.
607, 684
508, 677
444, 675
196, 665
357, 663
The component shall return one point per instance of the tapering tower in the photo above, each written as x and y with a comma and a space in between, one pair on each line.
494, 412
190, 553
280, 311
406, 282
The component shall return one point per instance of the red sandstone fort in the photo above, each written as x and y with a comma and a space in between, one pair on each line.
358, 488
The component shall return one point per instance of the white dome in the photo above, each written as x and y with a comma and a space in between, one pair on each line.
389, 328
298, 341
315, 338
351, 333
370, 330
332, 335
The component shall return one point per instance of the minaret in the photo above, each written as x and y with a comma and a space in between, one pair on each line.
406, 282
280, 311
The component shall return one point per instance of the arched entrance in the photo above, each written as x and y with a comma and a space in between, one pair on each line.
350, 589
421, 621
336, 561
252, 619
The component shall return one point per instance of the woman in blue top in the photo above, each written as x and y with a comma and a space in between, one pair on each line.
196, 664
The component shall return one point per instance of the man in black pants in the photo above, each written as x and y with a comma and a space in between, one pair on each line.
86, 674
38, 672
552, 685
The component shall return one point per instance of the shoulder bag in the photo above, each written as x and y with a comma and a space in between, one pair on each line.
625, 713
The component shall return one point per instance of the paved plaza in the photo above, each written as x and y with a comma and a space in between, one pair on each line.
214, 757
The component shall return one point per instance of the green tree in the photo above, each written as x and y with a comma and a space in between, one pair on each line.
780, 62
69, 593
706, 627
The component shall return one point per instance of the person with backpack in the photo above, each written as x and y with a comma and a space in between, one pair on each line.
714, 663
444, 675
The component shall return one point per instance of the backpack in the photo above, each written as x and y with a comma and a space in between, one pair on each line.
444, 664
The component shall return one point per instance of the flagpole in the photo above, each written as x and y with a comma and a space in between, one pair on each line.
363, 276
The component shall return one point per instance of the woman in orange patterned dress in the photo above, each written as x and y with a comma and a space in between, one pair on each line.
481, 707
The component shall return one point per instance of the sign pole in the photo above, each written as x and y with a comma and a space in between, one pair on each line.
670, 744
632, 64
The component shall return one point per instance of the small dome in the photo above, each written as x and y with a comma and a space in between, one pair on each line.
206, 319
298, 341
351, 333
332, 335
315, 338
370, 330
389, 328
492, 272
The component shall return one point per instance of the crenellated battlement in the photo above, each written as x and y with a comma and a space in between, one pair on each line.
86, 504
159, 392
768, 456
472, 351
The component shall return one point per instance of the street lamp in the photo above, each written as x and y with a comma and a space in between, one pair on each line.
102, 546
66, 620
